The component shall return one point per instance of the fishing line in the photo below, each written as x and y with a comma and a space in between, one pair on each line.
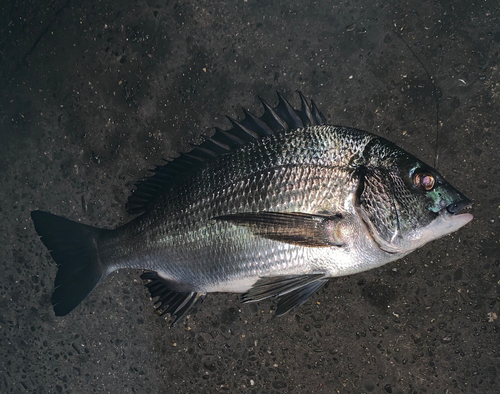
434, 89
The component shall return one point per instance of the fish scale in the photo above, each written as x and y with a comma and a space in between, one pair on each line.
188, 250
272, 207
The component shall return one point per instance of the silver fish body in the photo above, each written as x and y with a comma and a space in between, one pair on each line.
276, 215
180, 239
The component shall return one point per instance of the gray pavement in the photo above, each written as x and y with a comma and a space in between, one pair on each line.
94, 93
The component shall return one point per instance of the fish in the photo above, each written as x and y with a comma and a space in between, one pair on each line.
275, 206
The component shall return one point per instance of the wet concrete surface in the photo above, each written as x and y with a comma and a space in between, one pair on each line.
93, 94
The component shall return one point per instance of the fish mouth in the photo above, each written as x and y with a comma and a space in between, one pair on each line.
448, 220
454, 215
455, 207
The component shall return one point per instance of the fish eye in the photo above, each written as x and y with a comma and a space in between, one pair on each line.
424, 181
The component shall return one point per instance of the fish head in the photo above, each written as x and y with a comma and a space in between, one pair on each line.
404, 202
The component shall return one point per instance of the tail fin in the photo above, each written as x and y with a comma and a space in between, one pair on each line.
73, 247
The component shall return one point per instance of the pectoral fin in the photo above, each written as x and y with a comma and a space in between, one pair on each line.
292, 290
296, 228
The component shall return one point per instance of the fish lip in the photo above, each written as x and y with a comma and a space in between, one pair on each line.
454, 212
455, 207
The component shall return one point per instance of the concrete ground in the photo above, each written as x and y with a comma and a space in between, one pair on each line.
94, 93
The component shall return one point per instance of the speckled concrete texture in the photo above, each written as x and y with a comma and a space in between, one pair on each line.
94, 93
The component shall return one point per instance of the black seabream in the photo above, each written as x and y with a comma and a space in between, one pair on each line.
275, 206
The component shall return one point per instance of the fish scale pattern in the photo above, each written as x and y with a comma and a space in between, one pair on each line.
296, 171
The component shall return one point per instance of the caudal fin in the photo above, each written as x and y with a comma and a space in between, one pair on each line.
73, 247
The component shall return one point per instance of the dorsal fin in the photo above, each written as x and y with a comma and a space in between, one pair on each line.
288, 114
281, 118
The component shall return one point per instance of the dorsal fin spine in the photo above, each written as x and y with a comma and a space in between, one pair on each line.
216, 145
203, 152
318, 116
192, 158
288, 114
305, 111
260, 127
247, 133
274, 120
231, 140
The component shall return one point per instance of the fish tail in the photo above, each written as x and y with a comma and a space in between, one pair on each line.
73, 247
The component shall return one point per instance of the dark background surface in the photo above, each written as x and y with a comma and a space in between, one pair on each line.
94, 93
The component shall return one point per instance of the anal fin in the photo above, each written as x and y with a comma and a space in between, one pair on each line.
291, 290
176, 303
